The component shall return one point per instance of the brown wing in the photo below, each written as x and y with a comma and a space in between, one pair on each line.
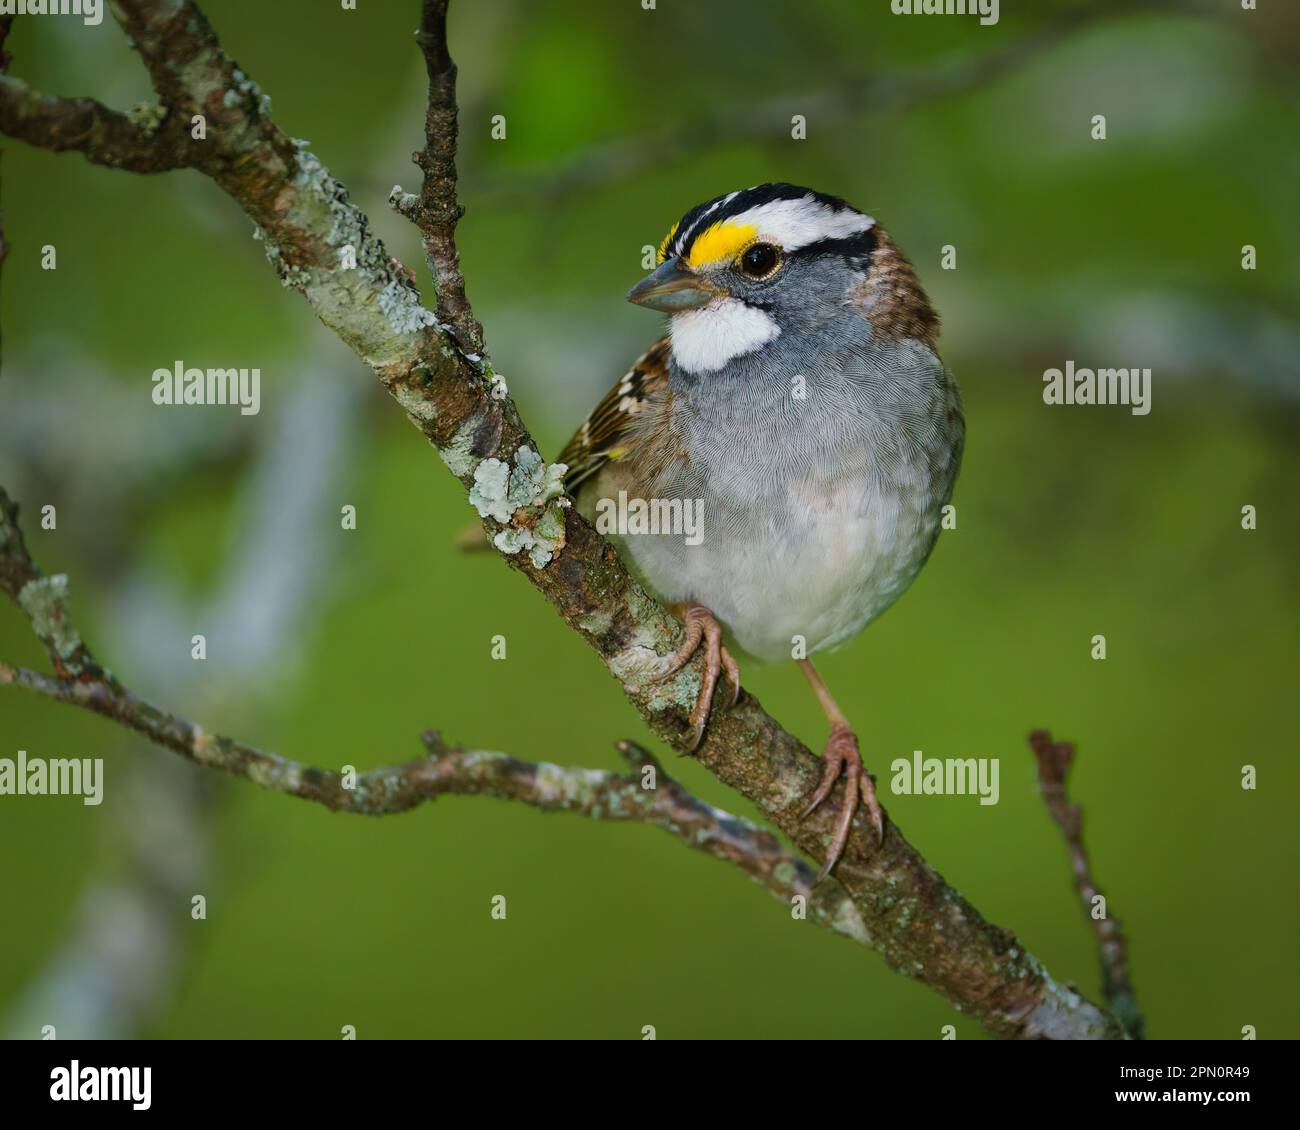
601, 435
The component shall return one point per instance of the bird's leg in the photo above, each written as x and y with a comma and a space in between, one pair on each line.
842, 759
702, 628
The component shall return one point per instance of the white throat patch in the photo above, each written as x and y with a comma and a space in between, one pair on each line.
706, 339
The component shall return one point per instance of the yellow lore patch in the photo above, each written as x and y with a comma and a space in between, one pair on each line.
721, 241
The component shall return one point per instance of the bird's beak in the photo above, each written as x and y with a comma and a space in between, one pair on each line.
673, 288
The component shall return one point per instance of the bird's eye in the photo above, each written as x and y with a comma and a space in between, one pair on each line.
760, 260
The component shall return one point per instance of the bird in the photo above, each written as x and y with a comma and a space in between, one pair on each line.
798, 407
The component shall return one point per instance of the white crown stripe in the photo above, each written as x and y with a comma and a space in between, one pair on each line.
792, 223
797, 223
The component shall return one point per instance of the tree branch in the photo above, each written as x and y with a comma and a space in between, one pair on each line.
1054, 761
147, 140
646, 795
922, 926
436, 211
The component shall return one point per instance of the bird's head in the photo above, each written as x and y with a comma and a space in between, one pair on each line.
737, 271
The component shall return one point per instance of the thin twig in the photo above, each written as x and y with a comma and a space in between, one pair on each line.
128, 141
645, 795
1054, 761
436, 211
452, 771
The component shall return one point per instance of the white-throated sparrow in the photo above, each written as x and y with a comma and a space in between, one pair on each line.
798, 405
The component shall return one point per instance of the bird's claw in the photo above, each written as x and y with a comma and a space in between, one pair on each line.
703, 629
842, 758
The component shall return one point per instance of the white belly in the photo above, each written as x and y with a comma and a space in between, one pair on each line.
803, 567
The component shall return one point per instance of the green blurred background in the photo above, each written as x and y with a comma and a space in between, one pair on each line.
339, 647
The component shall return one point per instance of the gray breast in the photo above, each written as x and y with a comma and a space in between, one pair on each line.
821, 476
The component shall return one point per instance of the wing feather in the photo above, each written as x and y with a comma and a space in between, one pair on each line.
599, 439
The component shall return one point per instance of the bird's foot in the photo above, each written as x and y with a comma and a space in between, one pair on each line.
842, 758
703, 630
